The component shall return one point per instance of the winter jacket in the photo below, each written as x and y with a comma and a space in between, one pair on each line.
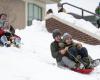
72, 49
55, 51
1, 32
97, 11
12, 30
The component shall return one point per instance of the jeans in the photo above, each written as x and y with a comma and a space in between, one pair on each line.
74, 52
4, 39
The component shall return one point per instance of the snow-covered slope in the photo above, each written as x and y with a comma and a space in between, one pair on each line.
33, 60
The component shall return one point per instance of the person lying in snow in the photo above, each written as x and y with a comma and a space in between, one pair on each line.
69, 53
9, 37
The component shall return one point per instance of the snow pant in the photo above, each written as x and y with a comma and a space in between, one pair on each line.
1, 44
82, 52
74, 52
17, 40
66, 62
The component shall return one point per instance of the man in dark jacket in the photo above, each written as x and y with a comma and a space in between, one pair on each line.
60, 53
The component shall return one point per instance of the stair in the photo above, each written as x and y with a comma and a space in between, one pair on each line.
90, 18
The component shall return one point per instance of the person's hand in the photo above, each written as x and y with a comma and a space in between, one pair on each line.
79, 45
63, 51
66, 48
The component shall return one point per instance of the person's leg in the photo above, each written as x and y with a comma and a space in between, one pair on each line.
69, 63
72, 53
85, 58
83, 52
5, 41
60, 64
17, 41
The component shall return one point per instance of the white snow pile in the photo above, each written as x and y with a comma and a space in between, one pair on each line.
33, 61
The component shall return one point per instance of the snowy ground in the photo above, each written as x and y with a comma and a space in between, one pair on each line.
33, 60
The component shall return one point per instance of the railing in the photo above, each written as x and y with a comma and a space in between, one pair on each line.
83, 10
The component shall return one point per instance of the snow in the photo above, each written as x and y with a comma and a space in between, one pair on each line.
33, 61
78, 22
85, 4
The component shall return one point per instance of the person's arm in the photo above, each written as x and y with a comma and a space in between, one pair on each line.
55, 50
12, 30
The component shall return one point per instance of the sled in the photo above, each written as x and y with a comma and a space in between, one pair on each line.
95, 63
83, 71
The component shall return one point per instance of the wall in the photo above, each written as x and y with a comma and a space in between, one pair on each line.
15, 9
52, 24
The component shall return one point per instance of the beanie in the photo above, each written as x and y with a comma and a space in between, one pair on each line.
56, 32
65, 36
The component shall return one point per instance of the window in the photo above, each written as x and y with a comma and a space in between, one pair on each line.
34, 12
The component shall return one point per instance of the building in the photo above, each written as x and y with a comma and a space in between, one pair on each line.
22, 12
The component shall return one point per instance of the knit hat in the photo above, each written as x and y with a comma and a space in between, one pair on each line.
56, 32
65, 36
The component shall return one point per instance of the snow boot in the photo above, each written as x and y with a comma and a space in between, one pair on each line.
95, 63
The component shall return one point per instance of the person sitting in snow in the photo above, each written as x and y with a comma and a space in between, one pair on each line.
70, 54
9, 36
97, 11
3, 18
75, 51
60, 53
49, 11
61, 8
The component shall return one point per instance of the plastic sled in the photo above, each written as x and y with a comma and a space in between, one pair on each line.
83, 71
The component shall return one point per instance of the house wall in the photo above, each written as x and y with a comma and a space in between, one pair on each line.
40, 3
15, 9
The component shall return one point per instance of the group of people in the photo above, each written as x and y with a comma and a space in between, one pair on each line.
7, 33
60, 9
69, 53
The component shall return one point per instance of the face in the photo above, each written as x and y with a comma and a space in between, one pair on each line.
57, 38
3, 17
68, 39
6, 25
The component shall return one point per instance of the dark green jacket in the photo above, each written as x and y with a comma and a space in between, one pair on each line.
55, 51
97, 11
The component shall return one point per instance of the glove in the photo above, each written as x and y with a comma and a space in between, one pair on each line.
81, 66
